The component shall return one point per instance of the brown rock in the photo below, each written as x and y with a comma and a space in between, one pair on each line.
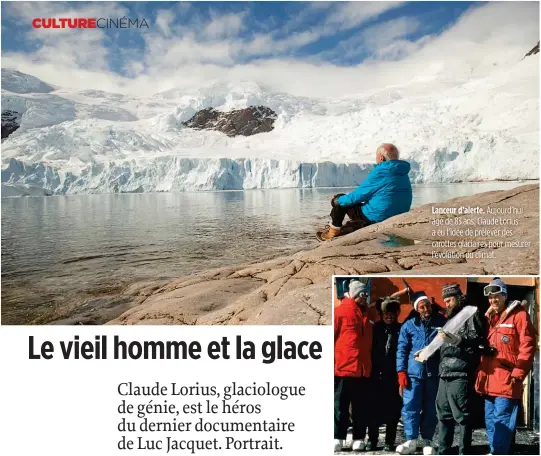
243, 122
10, 122
533, 51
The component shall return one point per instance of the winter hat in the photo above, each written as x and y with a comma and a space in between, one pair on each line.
497, 282
390, 305
418, 297
451, 289
356, 287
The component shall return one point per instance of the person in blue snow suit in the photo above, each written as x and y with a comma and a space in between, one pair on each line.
418, 381
385, 192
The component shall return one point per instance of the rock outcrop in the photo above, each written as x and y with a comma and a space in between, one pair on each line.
244, 122
533, 51
297, 289
10, 122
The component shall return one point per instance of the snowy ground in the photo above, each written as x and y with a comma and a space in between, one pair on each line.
527, 442
460, 129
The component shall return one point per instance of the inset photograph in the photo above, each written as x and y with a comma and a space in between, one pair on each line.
436, 365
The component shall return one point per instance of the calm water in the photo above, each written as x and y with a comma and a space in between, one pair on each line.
59, 251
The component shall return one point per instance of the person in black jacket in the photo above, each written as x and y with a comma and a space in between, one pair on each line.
459, 358
387, 403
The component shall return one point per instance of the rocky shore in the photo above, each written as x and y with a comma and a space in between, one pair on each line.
297, 289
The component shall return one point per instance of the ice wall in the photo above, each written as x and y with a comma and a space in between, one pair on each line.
183, 174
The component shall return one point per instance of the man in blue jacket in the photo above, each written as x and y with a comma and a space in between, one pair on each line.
418, 381
386, 192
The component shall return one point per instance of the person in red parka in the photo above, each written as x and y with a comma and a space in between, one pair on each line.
505, 363
352, 366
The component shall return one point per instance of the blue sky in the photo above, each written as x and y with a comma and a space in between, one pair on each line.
205, 38
331, 25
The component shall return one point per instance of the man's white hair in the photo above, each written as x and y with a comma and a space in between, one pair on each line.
389, 151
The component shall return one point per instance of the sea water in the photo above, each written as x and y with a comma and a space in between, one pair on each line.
59, 252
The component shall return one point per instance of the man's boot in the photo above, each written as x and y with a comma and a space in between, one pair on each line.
408, 447
428, 449
373, 436
328, 234
390, 435
372, 445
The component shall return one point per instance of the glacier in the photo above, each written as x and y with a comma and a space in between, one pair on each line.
166, 174
478, 128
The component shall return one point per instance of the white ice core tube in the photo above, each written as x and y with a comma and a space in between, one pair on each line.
452, 327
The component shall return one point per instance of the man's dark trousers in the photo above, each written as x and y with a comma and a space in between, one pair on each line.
452, 407
354, 391
385, 408
355, 213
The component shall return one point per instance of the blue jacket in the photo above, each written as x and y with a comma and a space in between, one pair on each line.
414, 336
385, 192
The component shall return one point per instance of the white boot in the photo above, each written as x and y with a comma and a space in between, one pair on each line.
358, 445
337, 445
408, 447
428, 448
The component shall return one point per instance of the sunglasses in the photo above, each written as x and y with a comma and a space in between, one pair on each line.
492, 290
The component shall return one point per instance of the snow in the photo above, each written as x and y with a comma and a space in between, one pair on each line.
450, 128
17, 82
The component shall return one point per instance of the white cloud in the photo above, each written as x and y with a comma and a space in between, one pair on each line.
164, 19
321, 6
26, 11
486, 36
346, 15
306, 14
229, 25
163, 53
134, 68
490, 33
504, 22
381, 40
352, 14
297, 40
400, 49
268, 45
70, 48
381, 35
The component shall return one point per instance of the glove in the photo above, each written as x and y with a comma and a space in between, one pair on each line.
448, 337
403, 382
416, 356
403, 379
488, 350
334, 202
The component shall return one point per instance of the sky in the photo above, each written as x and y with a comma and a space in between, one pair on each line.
304, 48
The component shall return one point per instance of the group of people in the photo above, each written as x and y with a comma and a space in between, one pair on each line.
381, 375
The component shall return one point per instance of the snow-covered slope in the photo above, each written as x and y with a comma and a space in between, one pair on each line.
17, 82
481, 128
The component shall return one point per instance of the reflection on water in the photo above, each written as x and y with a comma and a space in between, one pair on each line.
59, 250
396, 241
